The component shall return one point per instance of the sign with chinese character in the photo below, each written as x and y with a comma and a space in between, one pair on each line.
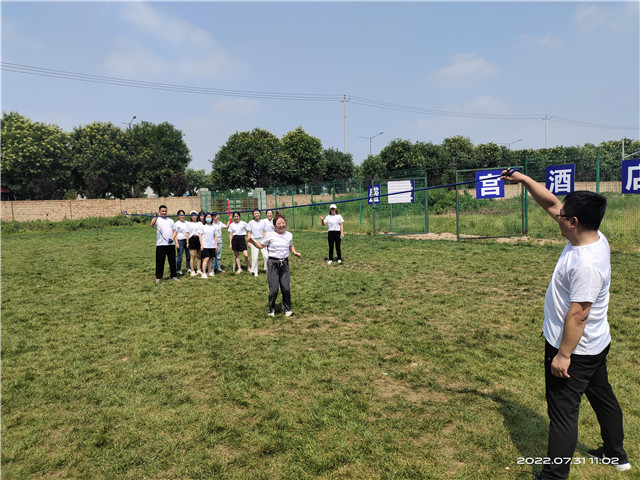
374, 193
492, 188
559, 179
405, 186
631, 176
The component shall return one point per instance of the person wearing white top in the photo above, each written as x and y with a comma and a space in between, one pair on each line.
269, 223
237, 230
279, 244
193, 238
165, 238
336, 231
181, 241
576, 329
256, 230
208, 244
219, 226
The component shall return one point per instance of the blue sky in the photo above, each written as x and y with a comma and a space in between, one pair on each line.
576, 62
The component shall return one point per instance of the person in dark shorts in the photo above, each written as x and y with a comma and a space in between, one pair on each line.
237, 231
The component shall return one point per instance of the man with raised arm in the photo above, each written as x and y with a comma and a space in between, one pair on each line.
577, 331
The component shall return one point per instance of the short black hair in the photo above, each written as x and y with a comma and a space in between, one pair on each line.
161, 207
181, 212
587, 207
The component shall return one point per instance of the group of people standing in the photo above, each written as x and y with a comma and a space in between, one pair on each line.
200, 240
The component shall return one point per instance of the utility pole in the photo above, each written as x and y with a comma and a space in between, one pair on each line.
344, 101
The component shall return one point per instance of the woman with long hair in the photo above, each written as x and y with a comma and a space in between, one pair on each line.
237, 243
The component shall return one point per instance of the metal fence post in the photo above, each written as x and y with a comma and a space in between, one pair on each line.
598, 172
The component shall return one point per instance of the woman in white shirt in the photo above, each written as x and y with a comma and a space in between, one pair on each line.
219, 226
193, 240
257, 229
279, 244
181, 241
270, 227
237, 230
336, 231
208, 244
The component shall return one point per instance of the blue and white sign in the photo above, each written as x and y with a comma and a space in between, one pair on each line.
400, 191
560, 179
493, 188
631, 176
374, 193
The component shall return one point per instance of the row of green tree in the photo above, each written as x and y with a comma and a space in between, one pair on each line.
41, 161
440, 162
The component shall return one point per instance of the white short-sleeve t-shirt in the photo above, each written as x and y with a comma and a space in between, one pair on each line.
208, 236
239, 228
582, 274
164, 231
258, 228
278, 244
181, 228
219, 226
334, 222
194, 228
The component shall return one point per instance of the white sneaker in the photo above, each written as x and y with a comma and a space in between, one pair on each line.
339, 261
179, 272
193, 274
255, 274
271, 314
199, 272
220, 270
158, 280
329, 262
239, 271
288, 314
204, 275
175, 279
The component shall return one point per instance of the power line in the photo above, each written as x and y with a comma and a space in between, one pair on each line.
307, 97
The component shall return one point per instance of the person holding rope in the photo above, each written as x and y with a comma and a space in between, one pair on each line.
336, 231
181, 241
576, 329
165, 243
237, 243
193, 238
208, 244
219, 226
257, 230
279, 244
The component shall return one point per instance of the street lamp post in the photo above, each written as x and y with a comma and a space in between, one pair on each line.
371, 139
130, 122
508, 145
631, 154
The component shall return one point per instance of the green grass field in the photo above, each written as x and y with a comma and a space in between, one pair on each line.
411, 360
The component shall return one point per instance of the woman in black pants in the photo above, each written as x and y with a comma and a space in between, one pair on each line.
336, 231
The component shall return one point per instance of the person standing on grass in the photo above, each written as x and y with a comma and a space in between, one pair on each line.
279, 244
576, 329
219, 226
257, 230
208, 244
165, 238
181, 241
193, 238
269, 222
336, 231
237, 242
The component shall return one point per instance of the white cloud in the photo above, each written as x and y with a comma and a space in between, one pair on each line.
618, 17
236, 106
172, 46
548, 41
465, 65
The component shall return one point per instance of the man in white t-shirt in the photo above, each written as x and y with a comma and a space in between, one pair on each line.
576, 330
165, 243
256, 231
